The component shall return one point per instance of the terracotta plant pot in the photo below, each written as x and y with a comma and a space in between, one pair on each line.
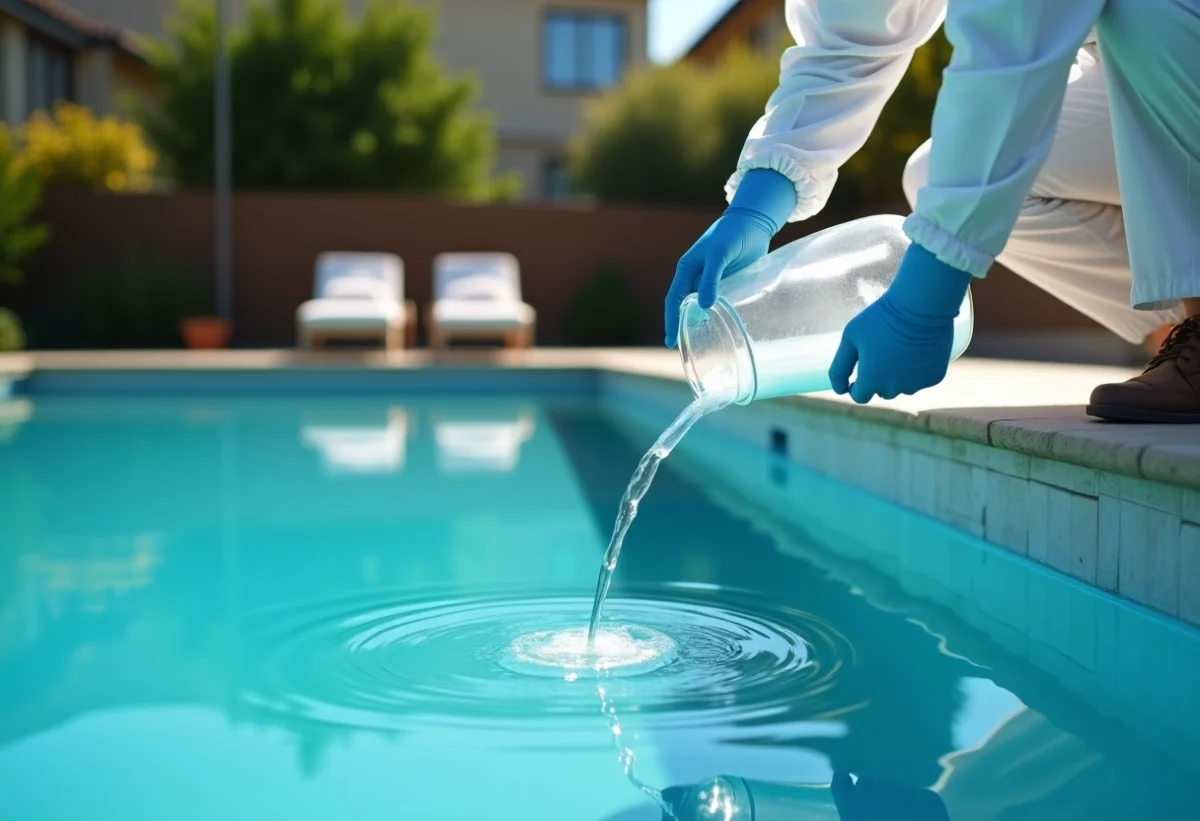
205, 332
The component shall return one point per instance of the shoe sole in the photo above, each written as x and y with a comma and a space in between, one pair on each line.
1116, 413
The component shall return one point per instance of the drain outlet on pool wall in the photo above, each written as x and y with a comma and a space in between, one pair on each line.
779, 442
779, 452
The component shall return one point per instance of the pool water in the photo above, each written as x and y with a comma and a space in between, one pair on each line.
305, 608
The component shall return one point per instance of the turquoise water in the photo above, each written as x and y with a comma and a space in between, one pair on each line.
315, 609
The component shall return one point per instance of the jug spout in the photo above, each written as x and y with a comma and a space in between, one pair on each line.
716, 354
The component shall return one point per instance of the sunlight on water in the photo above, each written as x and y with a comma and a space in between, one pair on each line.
622, 650
323, 635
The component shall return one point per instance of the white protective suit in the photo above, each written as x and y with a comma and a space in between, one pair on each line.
1005, 176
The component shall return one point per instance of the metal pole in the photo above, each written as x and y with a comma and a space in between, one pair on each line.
224, 174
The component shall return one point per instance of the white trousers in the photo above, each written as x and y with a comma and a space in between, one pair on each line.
1070, 237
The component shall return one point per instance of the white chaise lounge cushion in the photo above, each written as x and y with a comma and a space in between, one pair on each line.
350, 314
359, 287
482, 314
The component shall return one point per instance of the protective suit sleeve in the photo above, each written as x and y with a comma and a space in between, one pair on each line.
995, 120
849, 57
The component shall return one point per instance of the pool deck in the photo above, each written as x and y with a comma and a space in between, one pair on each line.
1031, 408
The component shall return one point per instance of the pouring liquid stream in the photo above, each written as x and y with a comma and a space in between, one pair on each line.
625, 754
643, 476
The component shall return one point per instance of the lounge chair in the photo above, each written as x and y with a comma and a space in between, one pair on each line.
358, 296
478, 297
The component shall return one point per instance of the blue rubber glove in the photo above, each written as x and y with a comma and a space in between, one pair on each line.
760, 207
902, 341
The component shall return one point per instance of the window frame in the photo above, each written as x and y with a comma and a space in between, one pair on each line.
576, 88
550, 164
53, 49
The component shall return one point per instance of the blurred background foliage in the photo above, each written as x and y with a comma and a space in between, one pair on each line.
72, 147
672, 134
324, 101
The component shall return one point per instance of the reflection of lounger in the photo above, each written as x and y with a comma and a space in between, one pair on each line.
13, 413
481, 446
360, 446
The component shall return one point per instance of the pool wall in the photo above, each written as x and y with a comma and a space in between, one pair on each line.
307, 382
1130, 536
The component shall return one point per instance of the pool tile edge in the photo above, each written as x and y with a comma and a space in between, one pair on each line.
1061, 433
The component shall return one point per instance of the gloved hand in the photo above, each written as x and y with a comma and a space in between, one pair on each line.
762, 204
870, 799
902, 341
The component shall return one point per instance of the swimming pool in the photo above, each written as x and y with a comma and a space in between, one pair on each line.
301, 607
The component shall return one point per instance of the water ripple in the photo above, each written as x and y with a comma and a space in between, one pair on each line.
689, 656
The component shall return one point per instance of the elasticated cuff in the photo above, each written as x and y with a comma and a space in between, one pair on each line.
1164, 293
808, 199
767, 193
946, 247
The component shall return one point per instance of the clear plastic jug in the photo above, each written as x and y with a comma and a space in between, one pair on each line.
777, 323
730, 798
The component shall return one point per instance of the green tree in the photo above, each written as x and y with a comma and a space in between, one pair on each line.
673, 134
12, 338
20, 236
635, 147
20, 196
600, 313
73, 147
135, 303
320, 102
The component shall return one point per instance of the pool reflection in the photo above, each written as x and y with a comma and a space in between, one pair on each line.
1025, 768
13, 414
139, 543
358, 441
926, 702
482, 440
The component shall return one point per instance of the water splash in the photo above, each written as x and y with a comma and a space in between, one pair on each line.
628, 650
643, 476
378, 663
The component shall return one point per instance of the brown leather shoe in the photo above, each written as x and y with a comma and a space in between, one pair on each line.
1167, 391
